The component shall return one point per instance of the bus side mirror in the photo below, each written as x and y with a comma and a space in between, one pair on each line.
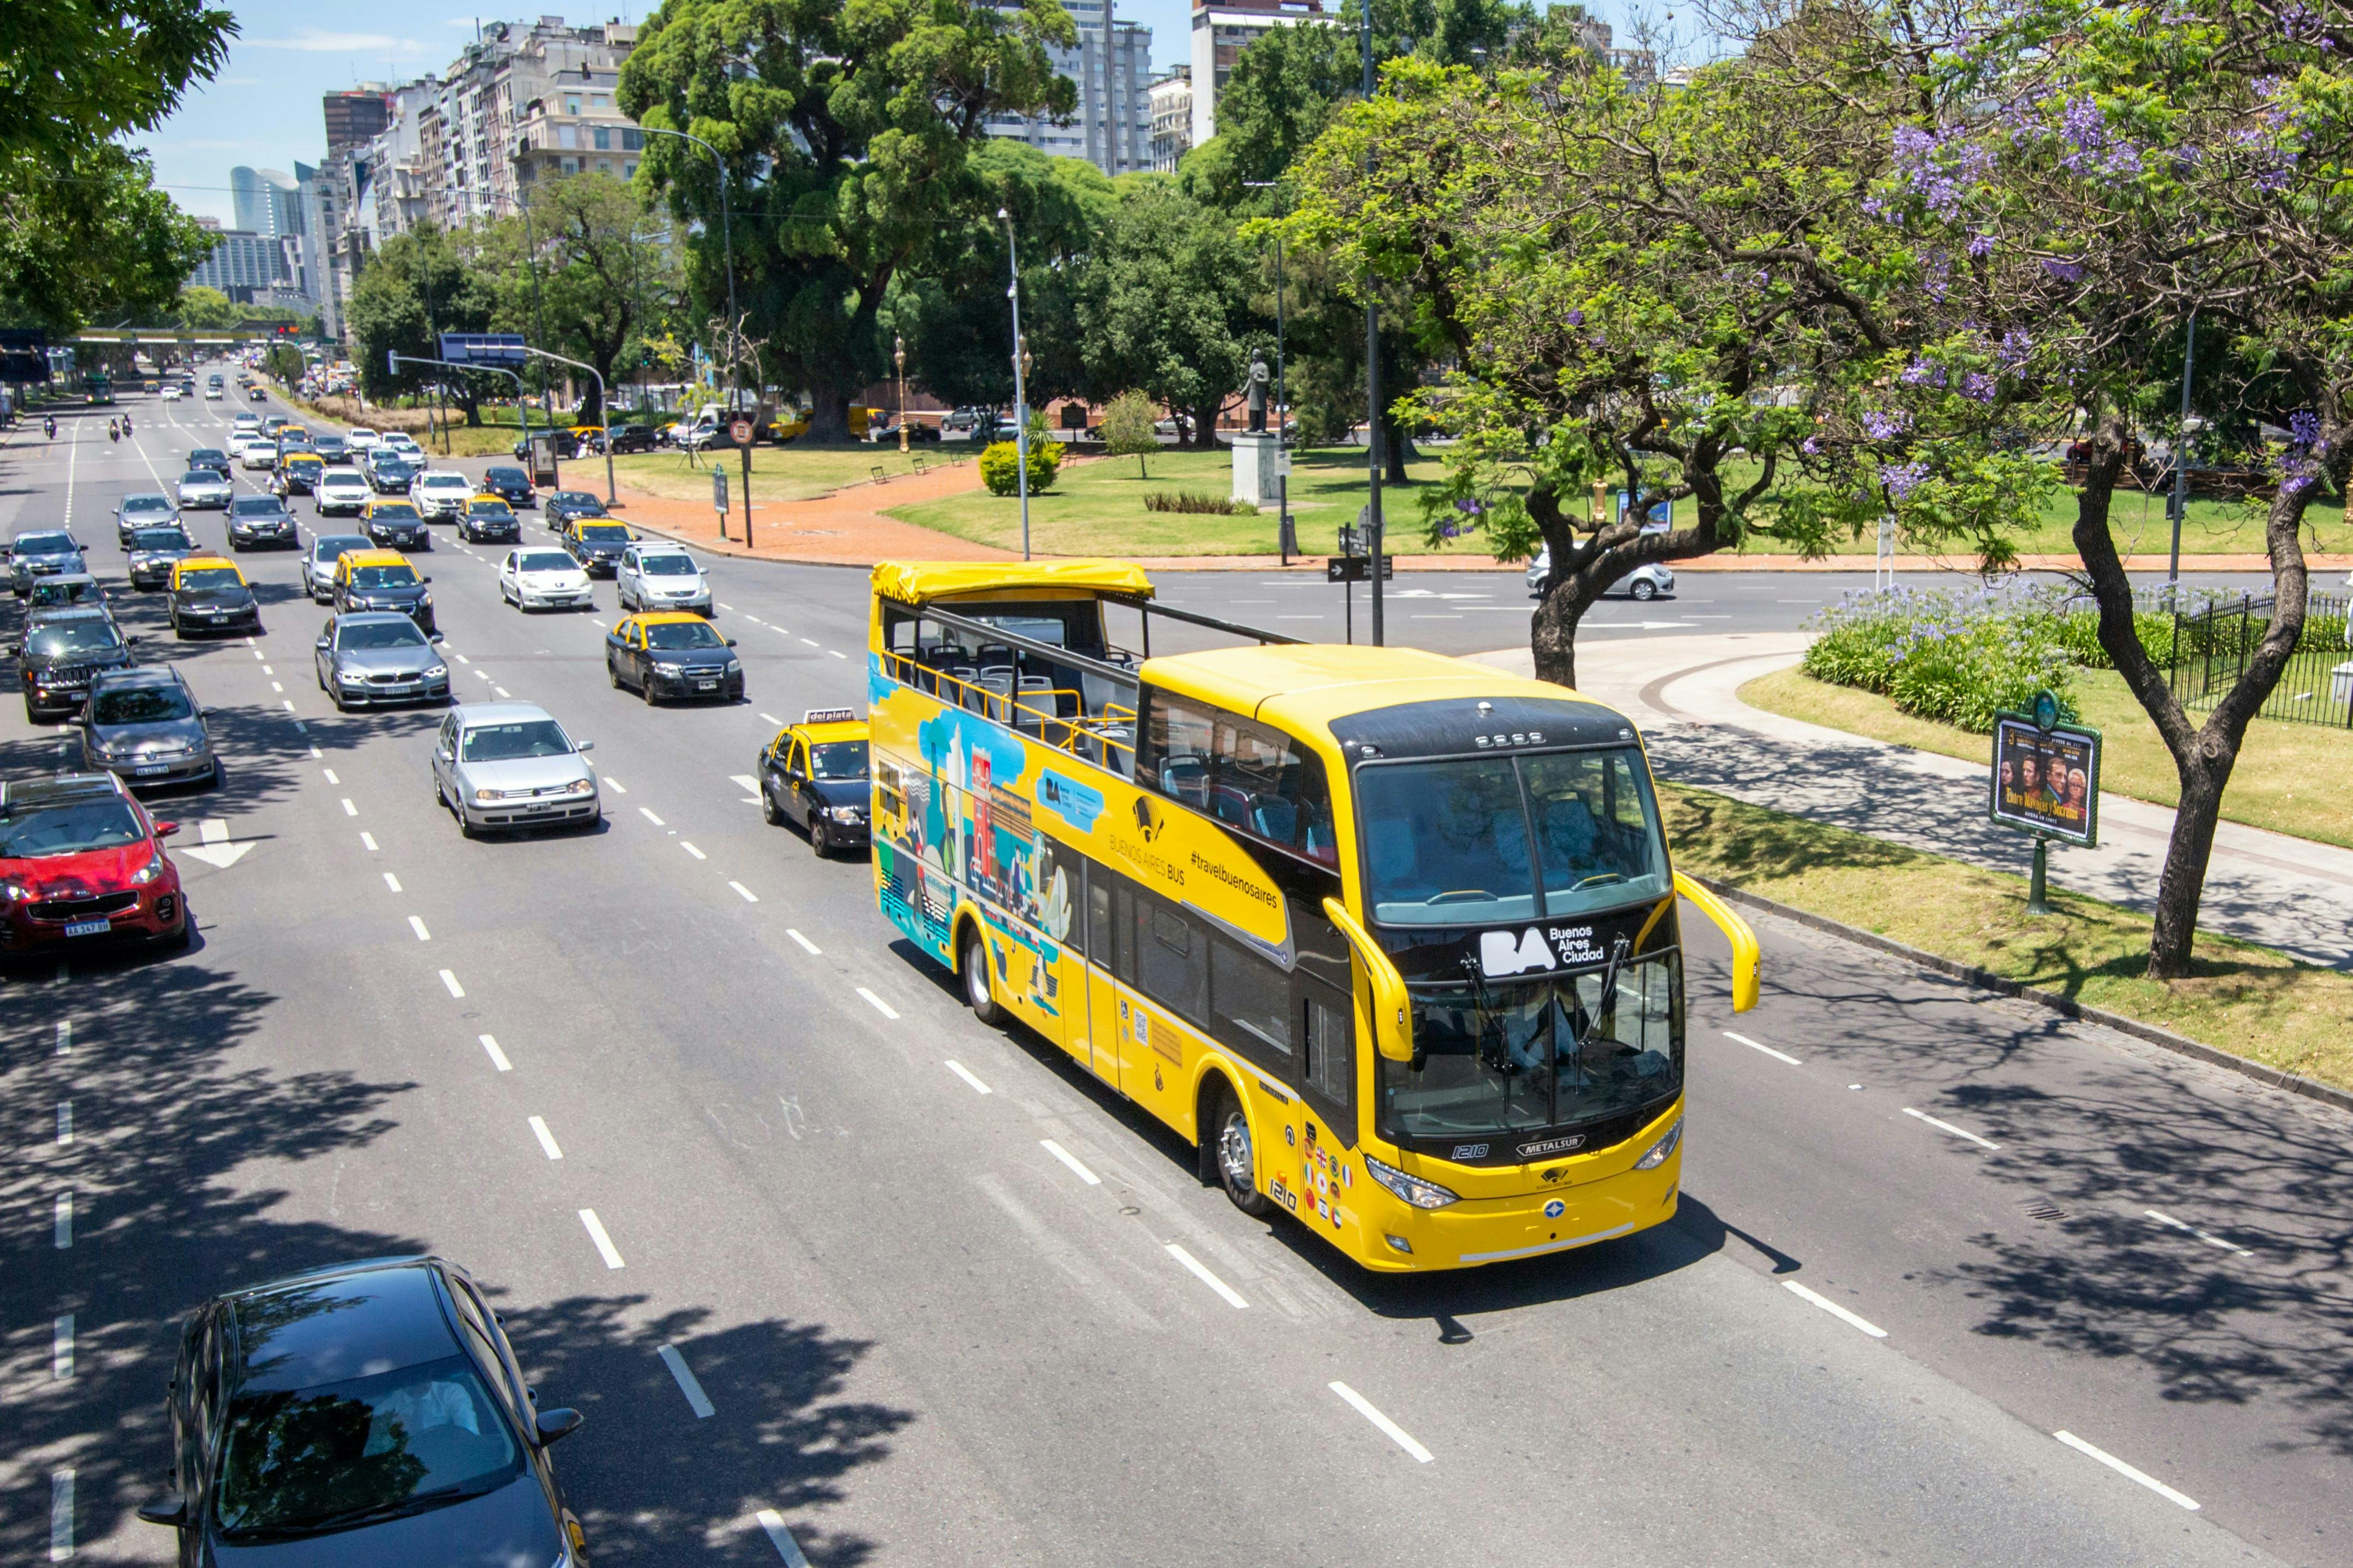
1736, 932
1392, 1009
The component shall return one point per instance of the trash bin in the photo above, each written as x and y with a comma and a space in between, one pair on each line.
2340, 684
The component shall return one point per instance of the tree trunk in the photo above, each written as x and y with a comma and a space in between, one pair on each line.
1551, 635
1396, 450
1205, 425
828, 413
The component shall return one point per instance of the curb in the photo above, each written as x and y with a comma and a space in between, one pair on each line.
2066, 1007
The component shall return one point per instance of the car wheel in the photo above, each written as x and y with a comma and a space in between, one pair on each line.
979, 992
613, 674
466, 829
1644, 590
820, 841
646, 690
219, 776
770, 812
179, 940
1237, 1160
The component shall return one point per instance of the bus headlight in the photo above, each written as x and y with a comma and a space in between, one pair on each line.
1657, 1153
1421, 1194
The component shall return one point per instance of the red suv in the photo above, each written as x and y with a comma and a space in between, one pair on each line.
80, 861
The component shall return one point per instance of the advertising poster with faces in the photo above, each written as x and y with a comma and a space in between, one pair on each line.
2046, 781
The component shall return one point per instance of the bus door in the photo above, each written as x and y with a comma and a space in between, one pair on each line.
1103, 1027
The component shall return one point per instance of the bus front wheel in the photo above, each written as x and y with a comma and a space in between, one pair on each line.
1237, 1159
977, 992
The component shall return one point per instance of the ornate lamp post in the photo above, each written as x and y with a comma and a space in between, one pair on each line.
899, 352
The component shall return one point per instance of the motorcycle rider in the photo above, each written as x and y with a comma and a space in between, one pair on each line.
49, 426
114, 429
126, 423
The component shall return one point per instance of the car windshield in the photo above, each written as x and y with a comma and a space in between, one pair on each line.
207, 454
399, 576
204, 577
392, 511
44, 544
577, 501
193, 476
31, 832
335, 546
297, 1460
674, 635
838, 760
92, 636
140, 705
524, 738
489, 509
505, 476
666, 566
1447, 843
161, 539
402, 633
446, 482
546, 561
150, 503
259, 506
604, 534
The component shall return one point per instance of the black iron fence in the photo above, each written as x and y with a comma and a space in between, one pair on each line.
2212, 644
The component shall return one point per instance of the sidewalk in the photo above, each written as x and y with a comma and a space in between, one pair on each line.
2287, 893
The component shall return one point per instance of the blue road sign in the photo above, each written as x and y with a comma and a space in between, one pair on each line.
482, 348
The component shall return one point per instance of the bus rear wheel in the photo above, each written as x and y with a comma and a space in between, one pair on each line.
1237, 1158
977, 991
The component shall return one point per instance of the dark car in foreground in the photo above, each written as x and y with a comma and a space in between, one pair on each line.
396, 524
389, 473
63, 651
82, 863
261, 520
211, 457
487, 519
669, 653
512, 486
370, 657
382, 580
815, 772
153, 553
597, 546
368, 1414
143, 726
210, 594
569, 506
631, 438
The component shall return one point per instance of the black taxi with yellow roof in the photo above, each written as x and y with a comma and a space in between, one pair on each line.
815, 773
210, 594
488, 520
669, 653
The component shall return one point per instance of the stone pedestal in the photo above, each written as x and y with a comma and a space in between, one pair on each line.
1258, 467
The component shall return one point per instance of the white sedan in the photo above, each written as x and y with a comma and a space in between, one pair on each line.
544, 580
341, 490
440, 493
258, 455
360, 440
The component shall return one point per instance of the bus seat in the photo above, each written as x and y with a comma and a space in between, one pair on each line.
1229, 804
1186, 779
1273, 817
1569, 833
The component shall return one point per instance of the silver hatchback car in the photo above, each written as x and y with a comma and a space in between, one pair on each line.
509, 765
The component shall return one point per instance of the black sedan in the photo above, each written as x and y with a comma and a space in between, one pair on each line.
363, 1414
153, 551
395, 525
209, 594
668, 653
489, 521
566, 506
388, 473
261, 520
64, 649
211, 457
366, 584
815, 772
631, 438
512, 486
597, 546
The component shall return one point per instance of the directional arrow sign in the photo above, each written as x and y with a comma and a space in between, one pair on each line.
216, 850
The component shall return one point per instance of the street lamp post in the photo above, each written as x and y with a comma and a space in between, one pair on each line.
538, 327
1021, 380
1372, 368
727, 241
1282, 540
899, 352
611, 495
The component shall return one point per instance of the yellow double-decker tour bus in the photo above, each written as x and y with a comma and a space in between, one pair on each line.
1391, 938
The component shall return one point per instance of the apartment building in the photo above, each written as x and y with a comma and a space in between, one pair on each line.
1222, 29
1171, 101
1112, 68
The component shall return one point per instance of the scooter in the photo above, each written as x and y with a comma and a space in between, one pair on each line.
49, 426
113, 430
126, 425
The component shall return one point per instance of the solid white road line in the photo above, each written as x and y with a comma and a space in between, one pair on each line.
965, 1073
498, 1056
451, 981
781, 1539
2151, 1482
368, 841
392, 881
418, 926
349, 809
61, 1515
650, 817
696, 1400
61, 1347
1395, 1433
605, 1248
1064, 1155
62, 1227
2163, 1218
885, 1009
1199, 1270
1752, 1044
1948, 1127
690, 850
749, 896
546, 1139
807, 946
65, 1122
1850, 1320
65, 1033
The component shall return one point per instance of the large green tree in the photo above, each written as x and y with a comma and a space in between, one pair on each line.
78, 74
606, 277
417, 286
1166, 303
847, 129
91, 238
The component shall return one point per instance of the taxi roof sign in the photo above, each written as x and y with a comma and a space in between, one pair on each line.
831, 716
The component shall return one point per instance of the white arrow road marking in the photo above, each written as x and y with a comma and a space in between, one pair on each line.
748, 785
216, 850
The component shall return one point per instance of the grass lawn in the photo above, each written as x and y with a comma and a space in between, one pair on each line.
1096, 508
2290, 777
794, 472
2248, 1000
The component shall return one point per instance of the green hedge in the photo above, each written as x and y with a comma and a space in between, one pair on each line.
1959, 657
1000, 466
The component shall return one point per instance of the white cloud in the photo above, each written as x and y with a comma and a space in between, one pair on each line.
310, 40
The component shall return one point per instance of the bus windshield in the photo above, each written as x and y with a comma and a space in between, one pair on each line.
1447, 842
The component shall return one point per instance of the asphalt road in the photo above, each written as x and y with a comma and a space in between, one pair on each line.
827, 1213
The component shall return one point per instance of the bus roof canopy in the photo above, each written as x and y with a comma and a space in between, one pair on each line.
919, 582
1309, 685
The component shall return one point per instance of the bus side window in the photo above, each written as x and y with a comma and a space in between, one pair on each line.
1098, 914
1123, 942
1172, 961
1329, 1068
1251, 1000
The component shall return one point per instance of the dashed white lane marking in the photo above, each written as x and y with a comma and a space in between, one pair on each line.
484, 673
316, 754
966, 1074
349, 809
502, 691
748, 896
65, 1124
747, 783
1850, 1320
369, 840
1064, 1155
612, 784
811, 641
807, 946
418, 926
729, 608
888, 1011
1201, 1271
274, 685
650, 817
2163, 1218
61, 1516
1755, 1045
450, 981
781, 1539
690, 850
1948, 1127
836, 654
2142, 1476
772, 718
605, 1248
61, 1337
392, 881
687, 1384
65, 1033
61, 1226
1395, 1433
546, 1139
264, 668
498, 1056
461, 659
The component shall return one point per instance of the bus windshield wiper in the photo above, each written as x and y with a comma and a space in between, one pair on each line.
1605, 1005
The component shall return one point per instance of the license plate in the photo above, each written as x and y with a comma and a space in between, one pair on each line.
151, 773
88, 928
706, 686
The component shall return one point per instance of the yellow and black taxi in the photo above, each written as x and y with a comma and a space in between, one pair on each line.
814, 773
297, 473
393, 523
382, 580
598, 545
668, 653
210, 594
488, 520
